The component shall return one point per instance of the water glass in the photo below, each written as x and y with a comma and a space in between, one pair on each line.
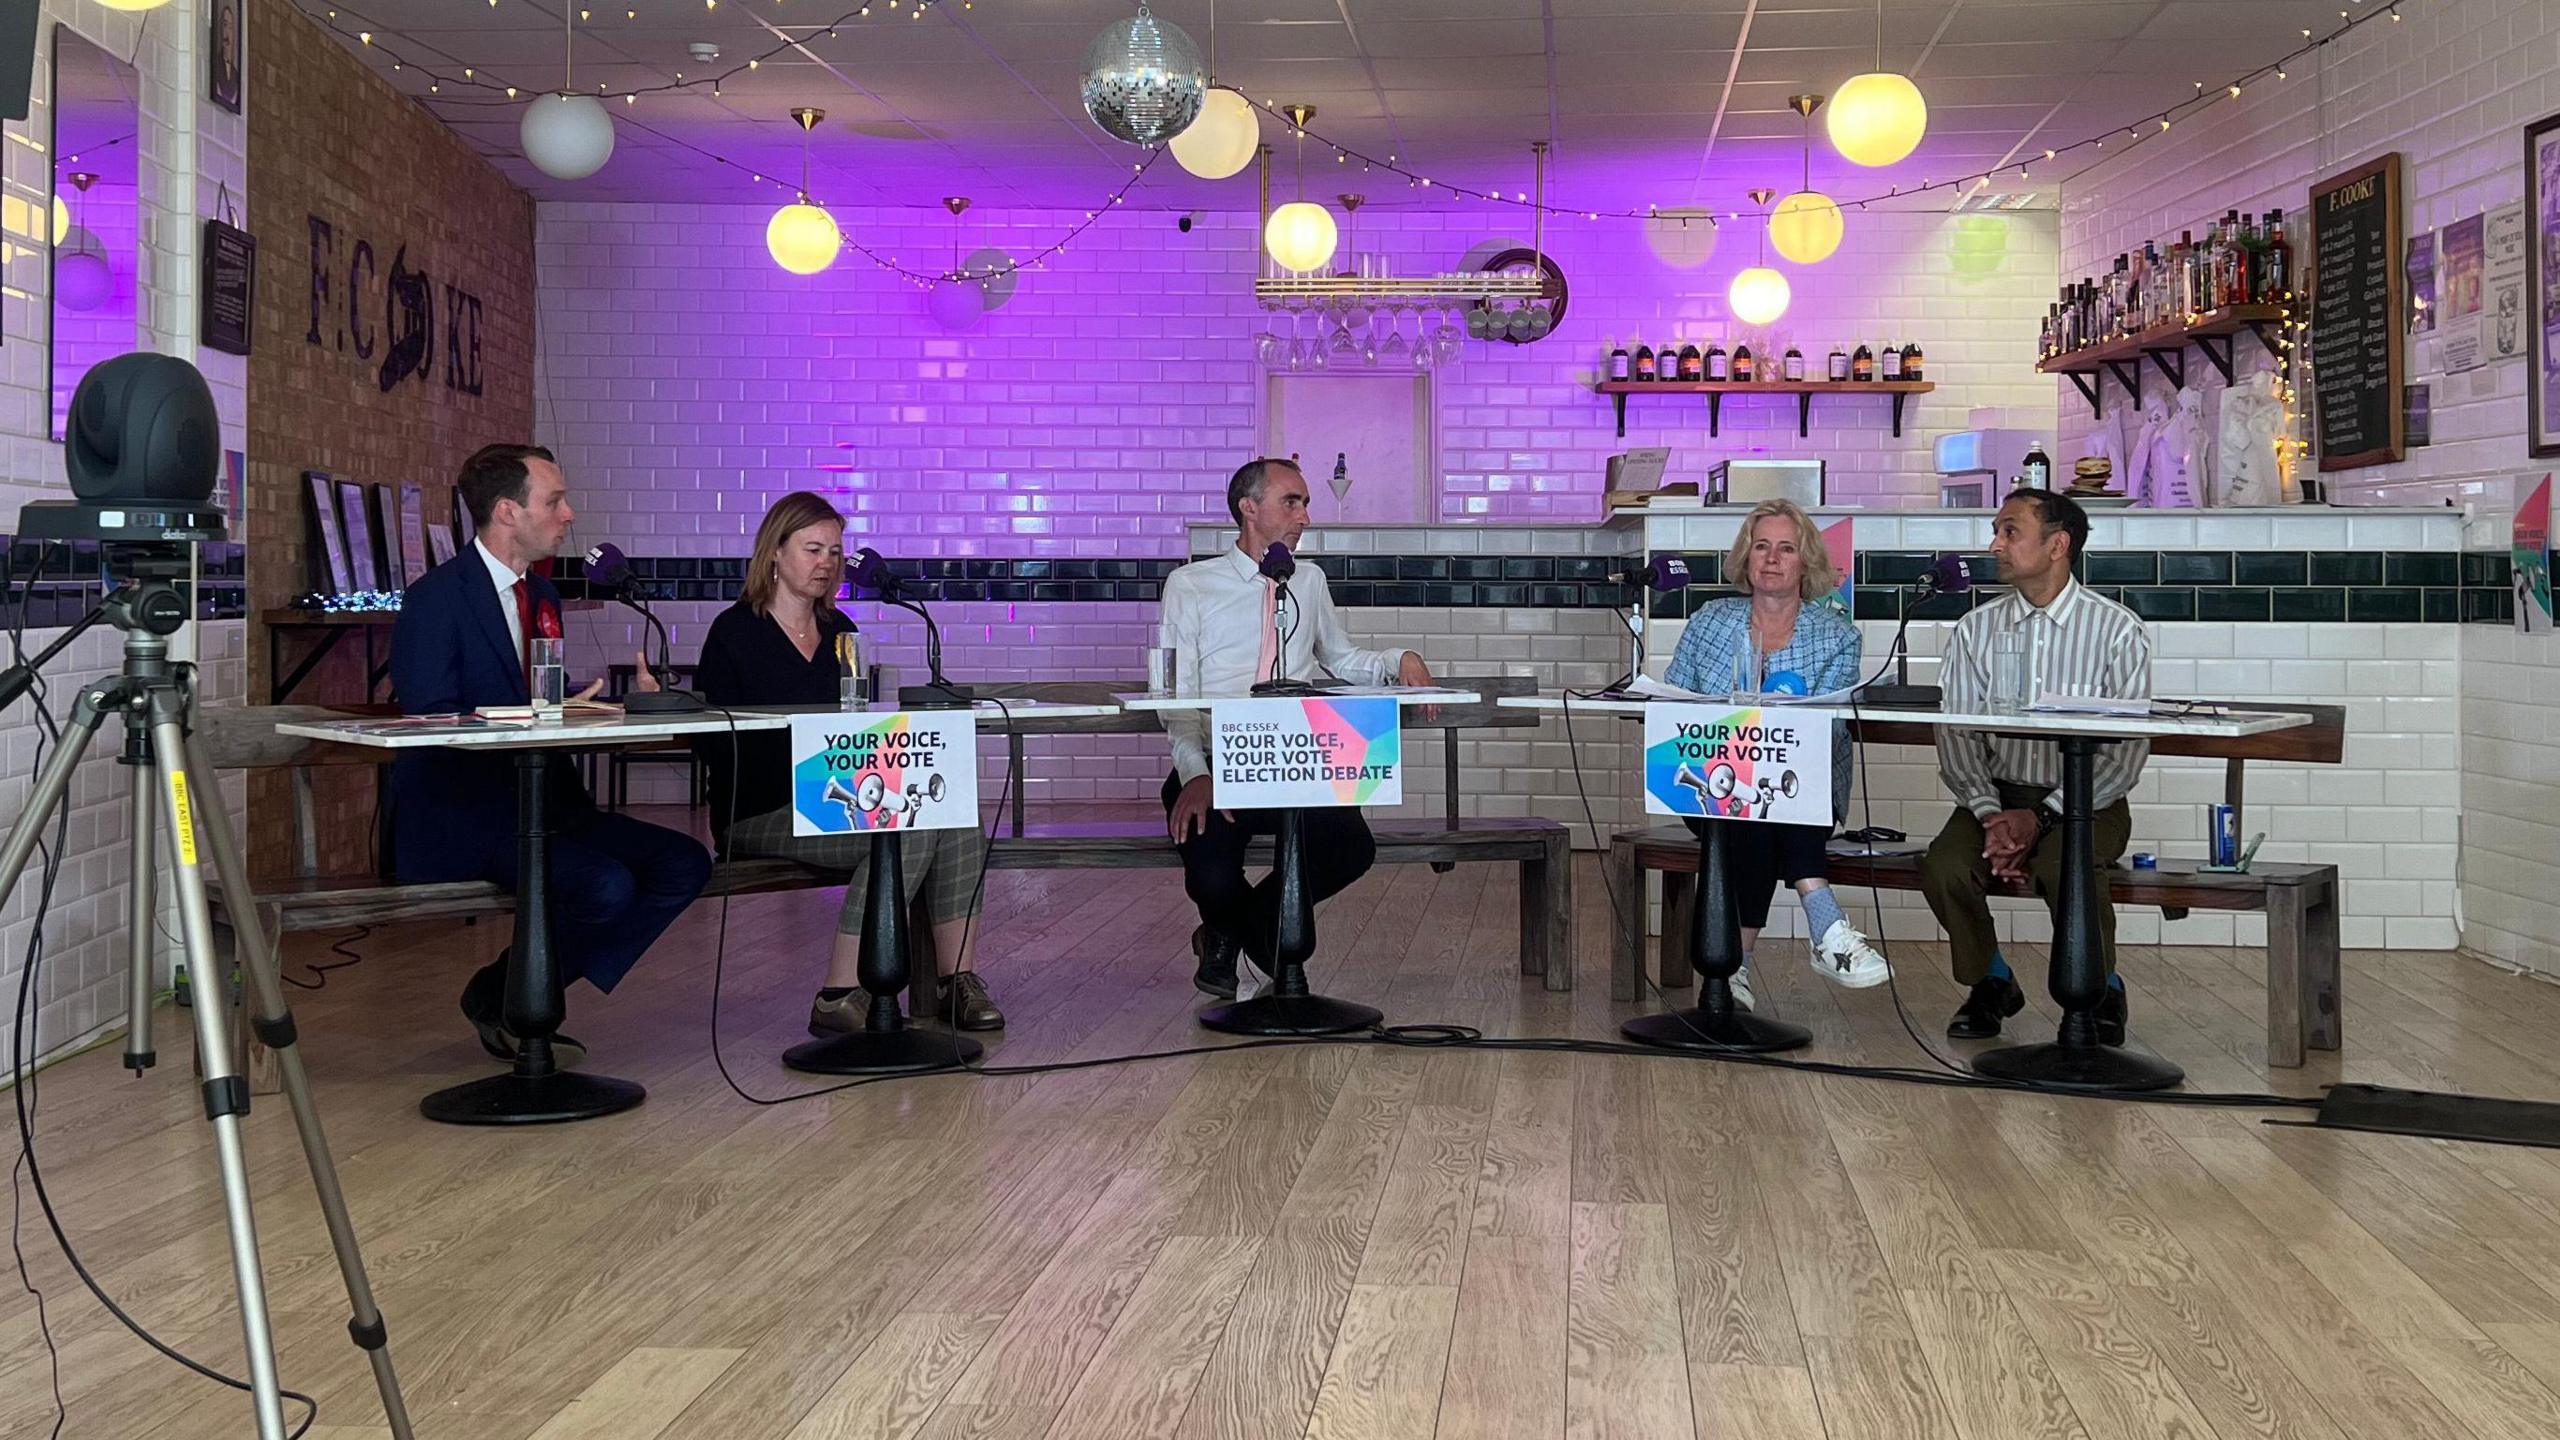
1748, 666
1164, 670
853, 678
2009, 672
550, 680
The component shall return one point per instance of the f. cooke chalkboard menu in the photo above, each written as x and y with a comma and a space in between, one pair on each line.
2355, 315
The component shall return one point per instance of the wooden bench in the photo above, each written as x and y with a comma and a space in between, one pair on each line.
245, 738
2304, 1007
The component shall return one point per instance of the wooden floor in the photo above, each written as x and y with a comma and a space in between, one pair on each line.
1335, 1241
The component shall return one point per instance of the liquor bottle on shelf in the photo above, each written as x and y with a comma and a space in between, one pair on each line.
1911, 361
1862, 364
1793, 365
1618, 359
1693, 365
1719, 365
1889, 362
2190, 297
1837, 368
2037, 466
2276, 281
2146, 276
1644, 360
2229, 264
1745, 369
2253, 261
2046, 345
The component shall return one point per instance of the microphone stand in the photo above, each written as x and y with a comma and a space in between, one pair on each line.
1274, 683
938, 693
666, 699
1902, 692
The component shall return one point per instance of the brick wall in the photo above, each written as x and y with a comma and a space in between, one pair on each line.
187, 151
2451, 88
398, 192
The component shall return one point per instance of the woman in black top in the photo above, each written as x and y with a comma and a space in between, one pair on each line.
777, 646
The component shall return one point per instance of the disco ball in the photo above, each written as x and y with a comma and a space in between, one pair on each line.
1143, 80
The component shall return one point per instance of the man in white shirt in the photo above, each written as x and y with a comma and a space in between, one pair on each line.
2009, 791
1231, 628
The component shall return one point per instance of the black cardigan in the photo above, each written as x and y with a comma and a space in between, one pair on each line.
747, 660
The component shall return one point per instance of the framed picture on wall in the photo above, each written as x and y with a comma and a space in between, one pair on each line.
387, 561
439, 541
2542, 284
356, 512
413, 532
330, 574
225, 54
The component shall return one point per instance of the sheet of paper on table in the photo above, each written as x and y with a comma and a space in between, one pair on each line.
1652, 689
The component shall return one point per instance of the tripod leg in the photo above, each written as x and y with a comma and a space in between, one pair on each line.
226, 1095
144, 979
45, 797
273, 1024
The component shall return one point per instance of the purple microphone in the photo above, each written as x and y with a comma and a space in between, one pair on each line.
1278, 564
1662, 572
608, 569
1947, 575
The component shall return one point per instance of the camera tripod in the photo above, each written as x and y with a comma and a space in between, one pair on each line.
168, 766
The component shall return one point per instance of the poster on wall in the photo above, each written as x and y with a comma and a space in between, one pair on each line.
230, 287
2531, 561
2460, 285
2502, 283
225, 53
2542, 284
2358, 357
2422, 283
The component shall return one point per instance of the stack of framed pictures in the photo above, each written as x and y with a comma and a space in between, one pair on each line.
370, 537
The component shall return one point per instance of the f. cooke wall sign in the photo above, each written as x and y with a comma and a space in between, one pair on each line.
385, 315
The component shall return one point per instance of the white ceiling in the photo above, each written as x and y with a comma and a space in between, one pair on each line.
1647, 102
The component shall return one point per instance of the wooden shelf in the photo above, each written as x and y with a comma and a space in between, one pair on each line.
1803, 390
2165, 345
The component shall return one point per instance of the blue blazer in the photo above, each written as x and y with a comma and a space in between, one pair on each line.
454, 812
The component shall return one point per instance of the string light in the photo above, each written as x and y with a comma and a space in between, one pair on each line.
499, 94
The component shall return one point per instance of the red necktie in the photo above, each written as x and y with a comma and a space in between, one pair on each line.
524, 622
1270, 648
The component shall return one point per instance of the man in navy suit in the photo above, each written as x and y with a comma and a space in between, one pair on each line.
616, 882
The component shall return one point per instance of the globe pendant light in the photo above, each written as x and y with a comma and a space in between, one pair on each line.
1806, 227
1143, 79
801, 237
958, 301
82, 278
1759, 295
133, 4
1300, 234
1877, 118
567, 136
1222, 140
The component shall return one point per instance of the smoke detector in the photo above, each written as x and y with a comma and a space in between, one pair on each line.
703, 50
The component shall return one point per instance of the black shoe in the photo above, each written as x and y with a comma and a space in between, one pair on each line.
2111, 1016
1991, 1002
484, 1005
1216, 975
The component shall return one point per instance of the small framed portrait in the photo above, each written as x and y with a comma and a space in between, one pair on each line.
225, 53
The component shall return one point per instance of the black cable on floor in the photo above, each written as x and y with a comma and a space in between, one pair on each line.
320, 973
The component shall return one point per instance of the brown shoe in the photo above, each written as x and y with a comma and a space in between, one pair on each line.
962, 1000
839, 1017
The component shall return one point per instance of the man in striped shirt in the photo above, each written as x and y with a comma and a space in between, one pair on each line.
2009, 791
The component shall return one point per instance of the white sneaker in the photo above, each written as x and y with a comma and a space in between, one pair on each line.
1740, 984
1844, 957
1250, 979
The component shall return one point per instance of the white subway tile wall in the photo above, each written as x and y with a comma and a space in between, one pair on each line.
187, 151
2451, 88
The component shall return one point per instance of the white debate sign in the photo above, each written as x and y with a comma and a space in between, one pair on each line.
861, 770
1738, 762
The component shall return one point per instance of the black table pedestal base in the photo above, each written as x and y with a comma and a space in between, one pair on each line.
1717, 1024
2078, 1067
883, 1052
551, 1099
1290, 1015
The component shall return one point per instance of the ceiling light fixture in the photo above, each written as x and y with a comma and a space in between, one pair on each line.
1877, 118
1759, 295
567, 136
1300, 235
803, 238
1807, 226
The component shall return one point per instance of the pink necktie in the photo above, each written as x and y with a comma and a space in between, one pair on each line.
1270, 650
